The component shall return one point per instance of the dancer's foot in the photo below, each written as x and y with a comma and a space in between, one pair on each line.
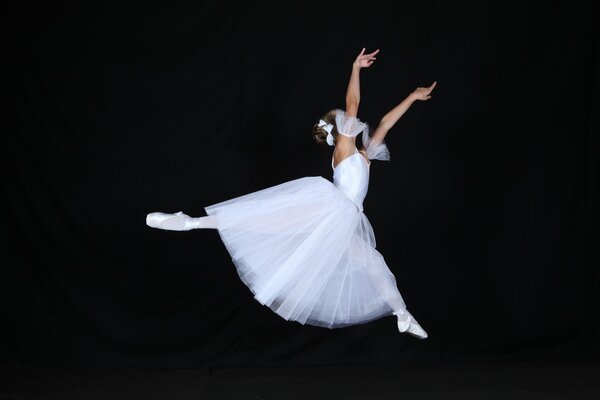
171, 222
407, 323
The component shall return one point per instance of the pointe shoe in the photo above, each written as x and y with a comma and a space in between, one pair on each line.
416, 330
169, 222
407, 323
403, 322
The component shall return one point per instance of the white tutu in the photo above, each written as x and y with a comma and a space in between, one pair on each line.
307, 251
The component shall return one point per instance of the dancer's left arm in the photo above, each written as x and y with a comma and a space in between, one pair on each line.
390, 119
353, 92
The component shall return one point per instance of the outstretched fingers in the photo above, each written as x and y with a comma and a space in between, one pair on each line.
430, 89
373, 53
371, 56
432, 86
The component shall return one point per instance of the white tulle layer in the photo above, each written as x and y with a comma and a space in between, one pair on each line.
305, 250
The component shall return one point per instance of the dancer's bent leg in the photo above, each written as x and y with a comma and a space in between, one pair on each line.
390, 293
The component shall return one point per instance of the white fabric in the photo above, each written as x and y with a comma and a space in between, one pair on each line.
351, 177
328, 127
307, 251
330, 139
375, 150
346, 125
352, 126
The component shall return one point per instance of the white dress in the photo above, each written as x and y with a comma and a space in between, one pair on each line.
306, 249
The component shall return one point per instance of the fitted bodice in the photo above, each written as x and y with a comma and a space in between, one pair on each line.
351, 177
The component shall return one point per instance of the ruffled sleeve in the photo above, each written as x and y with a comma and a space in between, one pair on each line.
348, 126
375, 150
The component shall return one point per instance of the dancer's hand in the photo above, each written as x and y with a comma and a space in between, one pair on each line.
365, 60
423, 93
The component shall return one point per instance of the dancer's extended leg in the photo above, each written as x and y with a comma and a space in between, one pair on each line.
180, 221
207, 222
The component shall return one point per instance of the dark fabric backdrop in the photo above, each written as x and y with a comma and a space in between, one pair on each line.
487, 213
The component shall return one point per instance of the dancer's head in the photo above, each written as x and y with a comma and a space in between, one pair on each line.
320, 134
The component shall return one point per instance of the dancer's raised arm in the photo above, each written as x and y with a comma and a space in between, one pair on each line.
390, 119
353, 92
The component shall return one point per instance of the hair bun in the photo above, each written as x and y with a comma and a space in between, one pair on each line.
319, 134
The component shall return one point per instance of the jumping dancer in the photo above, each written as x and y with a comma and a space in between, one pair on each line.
304, 247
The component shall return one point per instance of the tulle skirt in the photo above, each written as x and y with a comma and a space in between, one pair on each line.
306, 251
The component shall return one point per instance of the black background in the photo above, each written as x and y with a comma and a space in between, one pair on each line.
487, 213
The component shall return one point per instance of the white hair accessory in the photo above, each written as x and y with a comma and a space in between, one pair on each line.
328, 128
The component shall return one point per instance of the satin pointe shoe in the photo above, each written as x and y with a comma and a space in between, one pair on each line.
407, 323
170, 222
416, 330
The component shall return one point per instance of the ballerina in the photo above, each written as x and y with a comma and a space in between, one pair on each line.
305, 248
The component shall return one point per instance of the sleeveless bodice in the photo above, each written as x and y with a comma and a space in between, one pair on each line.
351, 177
